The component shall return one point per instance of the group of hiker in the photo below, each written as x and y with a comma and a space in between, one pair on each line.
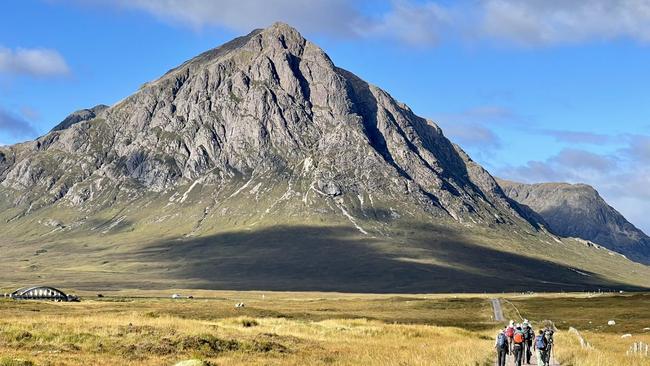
519, 341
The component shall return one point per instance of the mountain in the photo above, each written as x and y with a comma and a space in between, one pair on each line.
81, 115
261, 165
577, 210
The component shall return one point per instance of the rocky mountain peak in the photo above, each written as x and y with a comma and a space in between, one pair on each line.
288, 36
268, 103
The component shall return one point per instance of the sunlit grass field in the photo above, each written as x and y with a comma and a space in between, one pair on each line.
308, 328
589, 315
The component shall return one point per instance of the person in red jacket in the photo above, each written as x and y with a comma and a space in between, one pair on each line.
510, 332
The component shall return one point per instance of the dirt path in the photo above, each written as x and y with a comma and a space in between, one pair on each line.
498, 312
533, 361
498, 317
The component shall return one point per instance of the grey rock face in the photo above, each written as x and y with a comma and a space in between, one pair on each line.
270, 103
577, 210
80, 116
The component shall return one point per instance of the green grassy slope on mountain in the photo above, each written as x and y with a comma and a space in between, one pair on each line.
153, 242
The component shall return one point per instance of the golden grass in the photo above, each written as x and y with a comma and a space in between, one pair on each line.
606, 349
589, 314
307, 329
141, 338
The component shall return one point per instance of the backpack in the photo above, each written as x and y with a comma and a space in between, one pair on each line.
548, 334
510, 332
502, 342
527, 332
540, 342
519, 337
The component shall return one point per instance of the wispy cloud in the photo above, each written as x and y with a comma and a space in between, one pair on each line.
473, 135
569, 165
580, 159
550, 22
15, 126
406, 21
423, 23
580, 137
415, 24
638, 149
473, 127
33, 62
330, 16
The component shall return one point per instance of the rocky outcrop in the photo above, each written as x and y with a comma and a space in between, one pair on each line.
80, 116
577, 210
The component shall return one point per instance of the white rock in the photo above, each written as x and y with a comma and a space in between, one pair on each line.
611, 322
626, 335
191, 363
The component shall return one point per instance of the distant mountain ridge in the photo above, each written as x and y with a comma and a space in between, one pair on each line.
577, 210
261, 165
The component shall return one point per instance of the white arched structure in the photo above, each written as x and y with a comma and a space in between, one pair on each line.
41, 293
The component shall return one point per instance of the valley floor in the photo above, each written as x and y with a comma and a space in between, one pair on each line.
150, 328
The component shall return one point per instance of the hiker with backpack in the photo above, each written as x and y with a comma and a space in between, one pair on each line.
541, 349
502, 347
548, 336
510, 332
518, 345
529, 334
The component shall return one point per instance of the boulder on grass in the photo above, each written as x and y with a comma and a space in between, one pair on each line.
192, 363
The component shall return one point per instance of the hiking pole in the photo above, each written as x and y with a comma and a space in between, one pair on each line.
550, 361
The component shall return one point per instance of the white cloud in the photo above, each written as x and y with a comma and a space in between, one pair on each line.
34, 62
548, 22
471, 128
331, 16
580, 159
418, 22
405, 21
415, 24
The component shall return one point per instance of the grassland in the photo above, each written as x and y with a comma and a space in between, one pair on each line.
589, 315
309, 328
262, 234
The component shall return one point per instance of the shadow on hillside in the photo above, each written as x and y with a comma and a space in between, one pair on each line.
306, 258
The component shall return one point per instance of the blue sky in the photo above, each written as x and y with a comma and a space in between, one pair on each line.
538, 90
